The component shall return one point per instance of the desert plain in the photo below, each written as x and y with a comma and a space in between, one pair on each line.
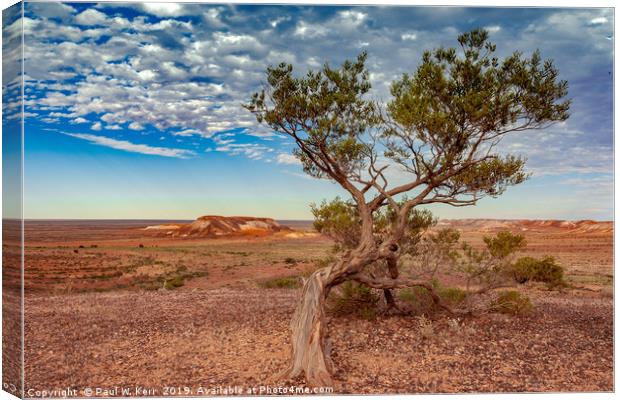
113, 304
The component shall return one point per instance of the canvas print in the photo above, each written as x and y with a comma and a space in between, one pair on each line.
234, 199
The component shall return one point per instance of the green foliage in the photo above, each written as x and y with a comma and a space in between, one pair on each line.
512, 302
354, 298
289, 282
174, 282
325, 111
504, 244
459, 96
541, 270
452, 295
323, 262
492, 176
492, 265
177, 278
457, 102
420, 300
340, 220
440, 246
417, 222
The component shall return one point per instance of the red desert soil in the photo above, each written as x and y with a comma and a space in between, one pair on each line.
239, 337
98, 316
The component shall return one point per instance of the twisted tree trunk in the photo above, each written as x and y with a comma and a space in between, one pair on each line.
309, 347
308, 333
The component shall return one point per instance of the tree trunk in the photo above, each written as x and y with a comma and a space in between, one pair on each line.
308, 333
310, 353
393, 270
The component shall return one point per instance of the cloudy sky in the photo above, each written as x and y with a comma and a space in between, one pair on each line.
134, 110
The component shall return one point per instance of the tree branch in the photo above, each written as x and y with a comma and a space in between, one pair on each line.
399, 283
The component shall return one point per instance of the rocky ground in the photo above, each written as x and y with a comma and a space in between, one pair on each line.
207, 338
97, 316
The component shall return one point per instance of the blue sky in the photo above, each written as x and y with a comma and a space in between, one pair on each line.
133, 110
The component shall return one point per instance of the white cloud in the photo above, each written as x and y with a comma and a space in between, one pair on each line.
212, 17
147, 75
493, 28
90, 17
132, 147
136, 126
306, 30
275, 22
189, 79
52, 9
186, 132
96, 126
164, 9
285, 158
80, 120
352, 16
253, 151
598, 21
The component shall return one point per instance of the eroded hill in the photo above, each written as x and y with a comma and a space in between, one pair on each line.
215, 225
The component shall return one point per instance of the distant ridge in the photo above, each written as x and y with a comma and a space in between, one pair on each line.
494, 225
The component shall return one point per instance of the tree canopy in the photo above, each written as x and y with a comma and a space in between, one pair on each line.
441, 126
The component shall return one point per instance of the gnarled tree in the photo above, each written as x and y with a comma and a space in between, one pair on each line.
440, 131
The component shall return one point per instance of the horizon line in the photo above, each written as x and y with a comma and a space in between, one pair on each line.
293, 219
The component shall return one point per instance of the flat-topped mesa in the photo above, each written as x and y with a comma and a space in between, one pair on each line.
216, 225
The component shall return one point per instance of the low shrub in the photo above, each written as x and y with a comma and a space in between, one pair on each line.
355, 299
452, 295
421, 301
418, 299
290, 260
174, 282
512, 302
540, 270
289, 282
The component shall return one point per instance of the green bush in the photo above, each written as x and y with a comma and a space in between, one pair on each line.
355, 299
174, 282
289, 282
452, 296
512, 302
421, 301
544, 270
